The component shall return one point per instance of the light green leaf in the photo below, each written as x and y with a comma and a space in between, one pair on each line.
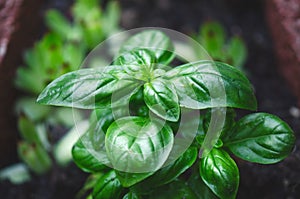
161, 98
153, 40
261, 138
207, 84
138, 144
220, 174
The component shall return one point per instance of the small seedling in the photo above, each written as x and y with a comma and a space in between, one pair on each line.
139, 108
61, 50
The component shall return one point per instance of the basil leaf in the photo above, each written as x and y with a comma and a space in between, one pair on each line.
199, 85
143, 57
168, 173
138, 144
129, 179
84, 157
161, 98
261, 138
199, 188
88, 89
107, 187
89, 151
153, 40
220, 173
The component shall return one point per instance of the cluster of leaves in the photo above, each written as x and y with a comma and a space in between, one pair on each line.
121, 141
212, 37
61, 50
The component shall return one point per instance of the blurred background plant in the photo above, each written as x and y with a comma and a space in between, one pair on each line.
61, 50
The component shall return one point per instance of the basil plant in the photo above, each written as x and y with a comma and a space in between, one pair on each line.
163, 131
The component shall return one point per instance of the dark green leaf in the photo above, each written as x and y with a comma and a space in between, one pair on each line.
207, 84
228, 123
129, 179
88, 89
137, 144
220, 174
261, 138
153, 40
168, 173
199, 187
161, 98
107, 187
89, 151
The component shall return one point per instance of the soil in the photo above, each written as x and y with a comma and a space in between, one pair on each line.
245, 18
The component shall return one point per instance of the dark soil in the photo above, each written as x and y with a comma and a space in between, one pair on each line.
246, 18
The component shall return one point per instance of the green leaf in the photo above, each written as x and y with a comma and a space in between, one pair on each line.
138, 63
107, 187
212, 37
129, 179
220, 174
31, 109
169, 173
153, 40
88, 152
142, 57
28, 130
207, 84
138, 144
35, 156
237, 51
228, 123
199, 187
161, 98
261, 138
88, 89
58, 23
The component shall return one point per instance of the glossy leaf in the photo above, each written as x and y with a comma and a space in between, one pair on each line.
129, 179
169, 173
88, 89
138, 144
153, 40
207, 84
161, 99
107, 187
220, 174
89, 151
199, 187
142, 57
261, 138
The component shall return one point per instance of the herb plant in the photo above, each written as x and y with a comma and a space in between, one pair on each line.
142, 102
212, 36
60, 50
